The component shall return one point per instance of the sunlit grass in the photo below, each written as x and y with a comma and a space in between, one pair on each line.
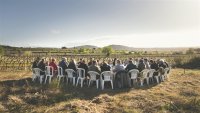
180, 93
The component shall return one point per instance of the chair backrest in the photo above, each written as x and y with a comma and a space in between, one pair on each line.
145, 73
69, 72
49, 70
81, 72
151, 72
93, 75
166, 71
60, 70
106, 75
36, 71
134, 73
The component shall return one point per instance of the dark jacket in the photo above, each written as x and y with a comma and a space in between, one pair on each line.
130, 66
42, 65
72, 66
64, 66
141, 66
105, 67
84, 66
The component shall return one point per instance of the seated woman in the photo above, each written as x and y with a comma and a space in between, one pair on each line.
83, 65
118, 67
54, 65
72, 65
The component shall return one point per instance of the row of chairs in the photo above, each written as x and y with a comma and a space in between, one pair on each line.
148, 75
106, 76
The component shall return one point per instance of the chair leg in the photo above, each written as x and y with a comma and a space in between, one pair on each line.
89, 83
74, 82
157, 79
66, 80
59, 80
111, 84
33, 78
81, 82
141, 82
97, 83
102, 85
46, 79
49, 79
77, 82
41, 78
147, 81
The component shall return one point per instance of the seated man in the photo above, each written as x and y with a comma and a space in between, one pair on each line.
94, 67
83, 65
118, 67
105, 67
130, 66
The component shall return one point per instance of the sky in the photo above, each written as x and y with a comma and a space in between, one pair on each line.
69, 23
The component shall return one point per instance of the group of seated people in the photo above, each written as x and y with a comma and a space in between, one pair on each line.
115, 65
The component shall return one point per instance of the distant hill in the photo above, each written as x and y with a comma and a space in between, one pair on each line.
115, 47
121, 47
86, 46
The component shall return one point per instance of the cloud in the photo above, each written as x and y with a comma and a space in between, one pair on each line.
55, 31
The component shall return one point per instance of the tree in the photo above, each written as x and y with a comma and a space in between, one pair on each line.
27, 53
1, 50
190, 51
63, 47
107, 50
82, 50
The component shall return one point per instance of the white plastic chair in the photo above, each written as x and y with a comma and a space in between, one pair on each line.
81, 76
106, 76
70, 76
49, 73
36, 74
157, 76
144, 76
93, 77
165, 76
151, 72
60, 74
134, 74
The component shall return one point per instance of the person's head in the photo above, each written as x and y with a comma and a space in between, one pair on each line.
94, 62
118, 62
43, 59
141, 61
104, 62
63, 59
38, 58
91, 59
130, 61
53, 60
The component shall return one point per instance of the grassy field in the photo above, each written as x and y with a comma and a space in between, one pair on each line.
179, 94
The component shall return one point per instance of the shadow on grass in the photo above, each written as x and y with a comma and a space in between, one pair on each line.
47, 94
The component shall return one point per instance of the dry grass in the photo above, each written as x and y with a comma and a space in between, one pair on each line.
179, 94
